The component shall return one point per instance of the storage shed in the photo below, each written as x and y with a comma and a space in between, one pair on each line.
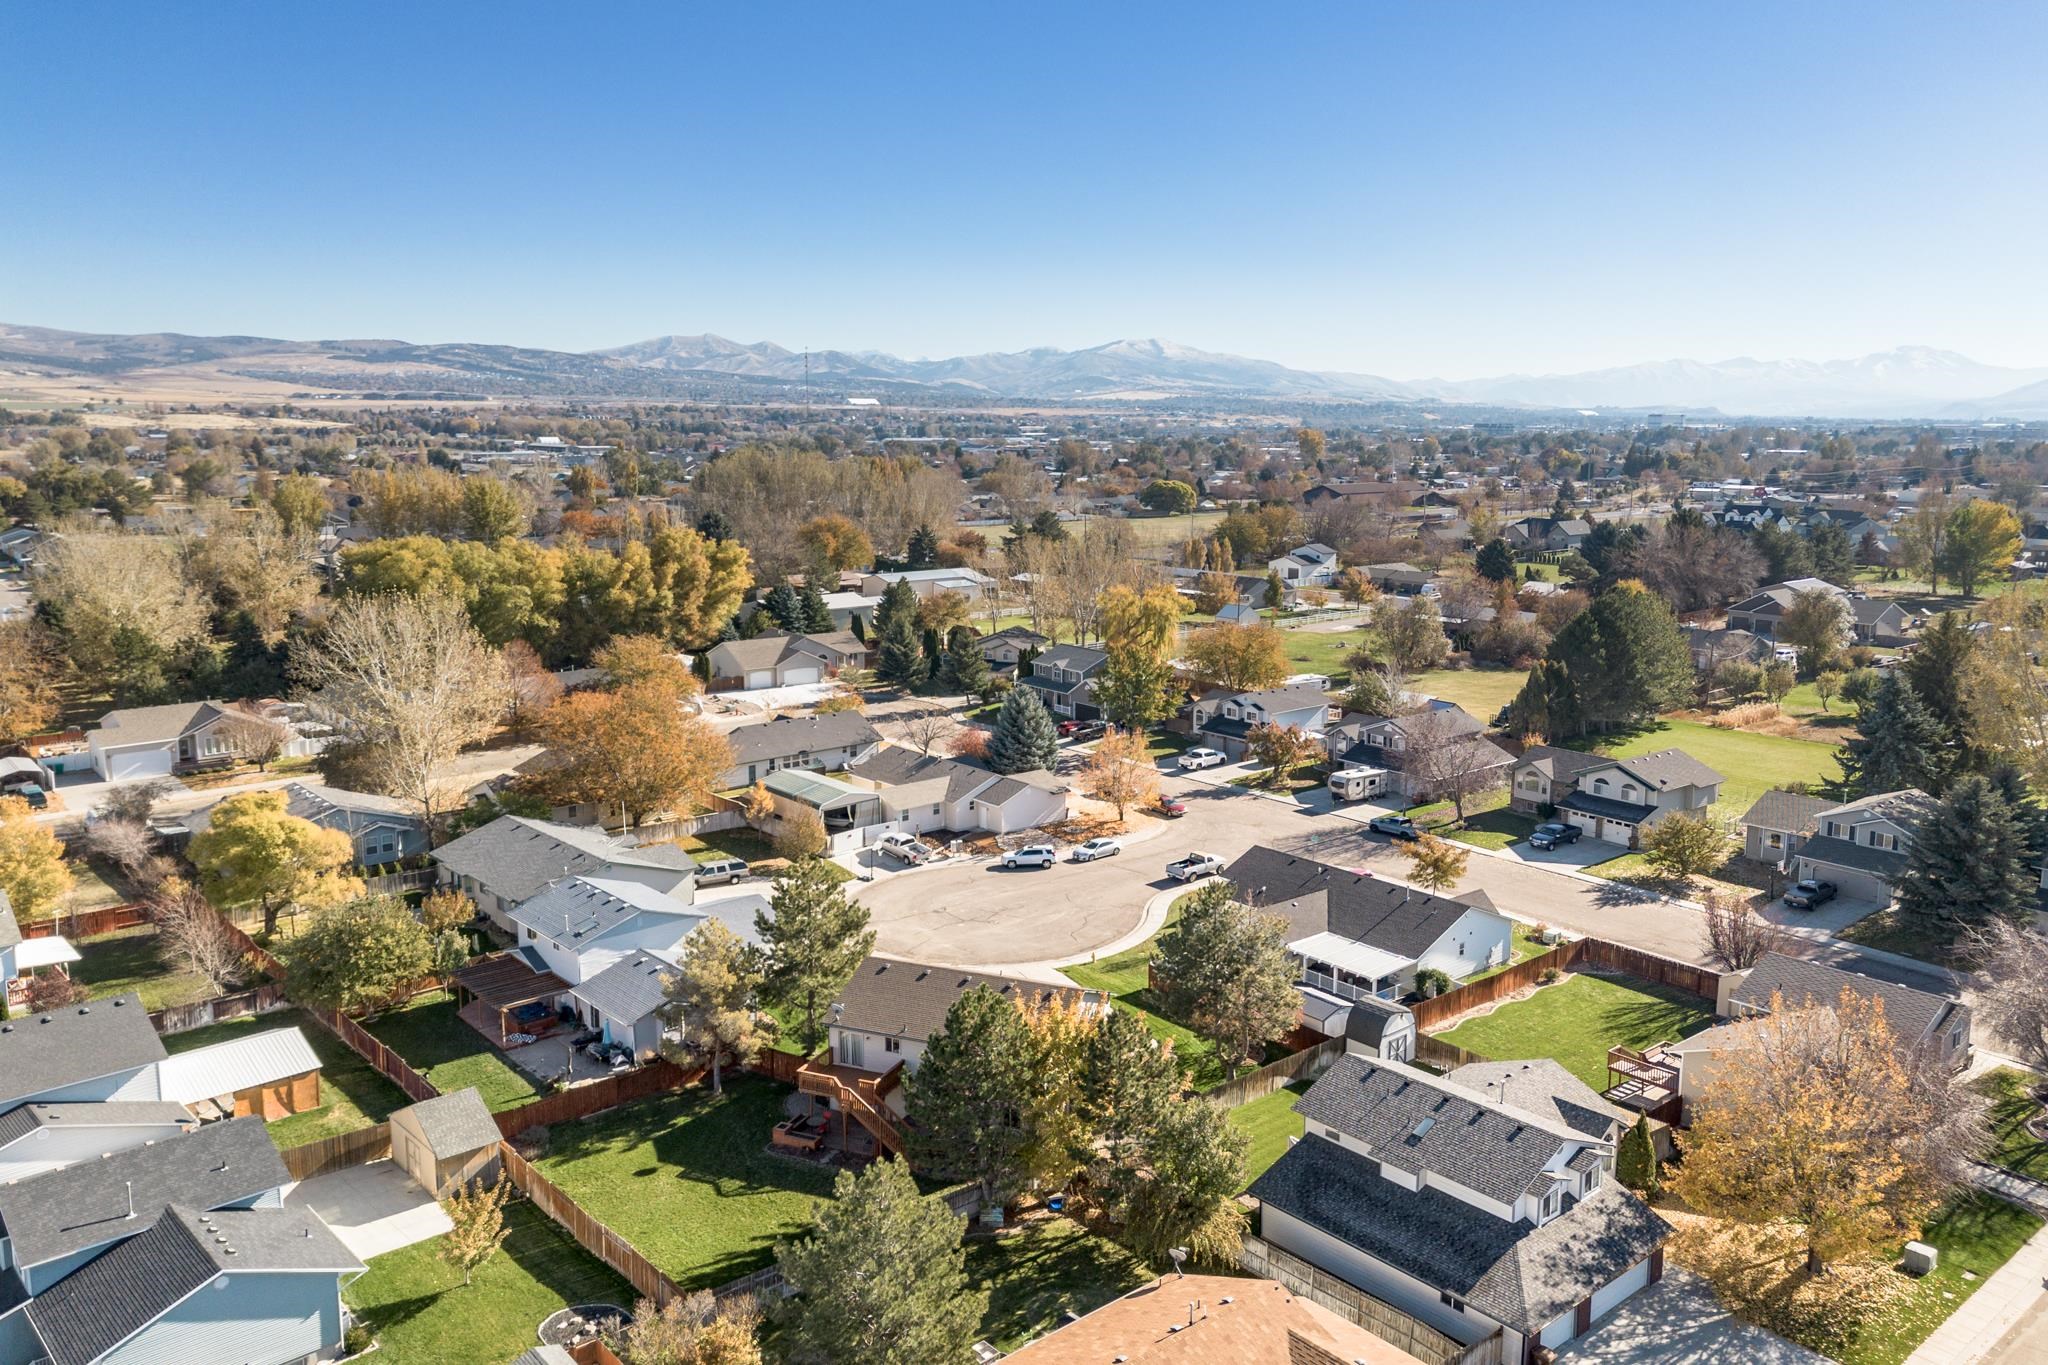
269, 1074
446, 1142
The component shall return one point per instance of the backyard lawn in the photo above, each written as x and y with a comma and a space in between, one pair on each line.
352, 1093
688, 1178
1526, 946
132, 960
422, 1313
1271, 1121
1750, 764
1322, 651
1481, 691
1049, 1267
1579, 1018
436, 1043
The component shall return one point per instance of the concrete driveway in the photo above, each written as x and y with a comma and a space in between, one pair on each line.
1583, 853
372, 1209
1678, 1321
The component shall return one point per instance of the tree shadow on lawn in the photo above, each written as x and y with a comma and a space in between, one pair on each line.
1049, 1268
1669, 1017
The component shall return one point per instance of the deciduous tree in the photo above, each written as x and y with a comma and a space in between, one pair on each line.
1411, 636
28, 694
361, 955
709, 1000
693, 1329
1983, 540
1120, 772
1228, 974
1238, 658
255, 854
1685, 846
476, 1214
33, 874
1738, 935
635, 751
1281, 750
1436, 864
1195, 1157
1815, 624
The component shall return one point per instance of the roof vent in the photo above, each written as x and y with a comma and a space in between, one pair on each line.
85, 1009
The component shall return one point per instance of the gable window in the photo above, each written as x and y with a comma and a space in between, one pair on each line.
1450, 1300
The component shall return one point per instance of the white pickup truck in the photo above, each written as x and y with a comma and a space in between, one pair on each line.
907, 848
1193, 866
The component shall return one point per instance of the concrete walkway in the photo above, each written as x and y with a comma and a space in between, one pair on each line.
372, 1209
1978, 1328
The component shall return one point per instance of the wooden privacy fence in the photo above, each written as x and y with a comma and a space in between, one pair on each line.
254, 951
200, 1013
1308, 1063
1579, 953
1443, 1056
338, 1152
365, 1044
1348, 1301
593, 1236
778, 1066
88, 923
581, 1101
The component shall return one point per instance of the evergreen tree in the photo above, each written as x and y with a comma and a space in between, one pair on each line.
966, 671
1227, 972
781, 603
881, 1276
1625, 658
1900, 744
1276, 591
1128, 1079
924, 549
899, 655
2011, 785
966, 1099
1047, 526
1834, 554
714, 526
1496, 562
813, 616
931, 658
1935, 671
1635, 1161
814, 939
1967, 864
1024, 737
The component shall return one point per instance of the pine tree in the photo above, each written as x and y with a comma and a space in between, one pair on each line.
1024, 738
1496, 561
1635, 1161
899, 655
2011, 785
815, 939
781, 603
965, 1101
881, 1276
1967, 863
1834, 554
1228, 973
1900, 745
1128, 1080
1276, 591
924, 549
815, 618
966, 669
1935, 671
931, 658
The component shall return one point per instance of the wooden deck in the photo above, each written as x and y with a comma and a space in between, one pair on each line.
1646, 1081
856, 1094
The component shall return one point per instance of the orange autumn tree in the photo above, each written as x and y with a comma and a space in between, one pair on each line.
634, 749
1825, 1118
1121, 772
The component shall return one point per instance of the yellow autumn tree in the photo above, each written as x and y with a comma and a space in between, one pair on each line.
1120, 772
1059, 1141
33, 875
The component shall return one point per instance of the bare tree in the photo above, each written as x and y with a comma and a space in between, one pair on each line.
254, 738
1738, 935
1445, 756
410, 680
127, 844
929, 727
195, 934
2013, 999
136, 801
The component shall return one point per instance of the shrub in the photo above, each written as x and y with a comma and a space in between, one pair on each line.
1431, 982
1551, 976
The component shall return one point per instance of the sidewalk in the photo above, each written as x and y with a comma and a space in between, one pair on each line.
1976, 1329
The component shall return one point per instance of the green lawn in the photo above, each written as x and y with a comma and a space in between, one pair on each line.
1578, 1019
90, 889
1322, 651
1481, 691
1526, 946
422, 1313
1494, 829
688, 1178
1122, 978
1749, 764
1888, 933
352, 1093
2012, 1146
1049, 1267
1271, 1121
132, 960
1975, 1235
440, 1046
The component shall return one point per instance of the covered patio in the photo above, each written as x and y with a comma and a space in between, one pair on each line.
1350, 970
506, 1000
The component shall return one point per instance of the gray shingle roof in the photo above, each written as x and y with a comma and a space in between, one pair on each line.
1634, 812
40, 1052
894, 767
515, 856
1787, 812
1669, 768
1517, 1273
1884, 862
156, 724
628, 989
788, 736
910, 999
1912, 1014
1543, 1086
1073, 658
1314, 897
581, 910
29, 1118
1367, 1023
59, 1212
455, 1124
1559, 764
1489, 1146
91, 1311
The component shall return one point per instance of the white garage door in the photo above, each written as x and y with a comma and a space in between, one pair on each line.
791, 677
760, 677
125, 765
1589, 823
1605, 1299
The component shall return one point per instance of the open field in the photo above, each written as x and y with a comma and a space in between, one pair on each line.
352, 1093
1579, 1018
1749, 764
1481, 691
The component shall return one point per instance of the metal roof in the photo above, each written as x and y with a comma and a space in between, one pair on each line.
813, 789
238, 1064
1360, 959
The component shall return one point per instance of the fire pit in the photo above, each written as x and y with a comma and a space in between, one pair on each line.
584, 1322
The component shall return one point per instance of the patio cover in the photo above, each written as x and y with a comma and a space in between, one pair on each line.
504, 981
43, 952
1360, 959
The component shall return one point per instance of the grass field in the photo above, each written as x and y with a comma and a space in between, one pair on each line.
1048, 1267
688, 1178
1975, 1235
421, 1312
1481, 691
1149, 532
1578, 1019
1749, 764
133, 960
436, 1043
1271, 1121
352, 1093
1322, 651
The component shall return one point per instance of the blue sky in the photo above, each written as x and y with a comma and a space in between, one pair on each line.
1408, 189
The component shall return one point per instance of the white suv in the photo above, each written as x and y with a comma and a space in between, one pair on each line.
1200, 758
1031, 855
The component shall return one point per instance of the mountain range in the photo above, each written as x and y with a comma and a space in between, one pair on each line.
1910, 381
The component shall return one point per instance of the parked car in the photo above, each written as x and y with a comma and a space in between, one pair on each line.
1785, 654
716, 870
1200, 758
1032, 855
1811, 895
30, 792
1097, 848
1082, 729
1554, 834
1193, 866
906, 848
1172, 809
1394, 827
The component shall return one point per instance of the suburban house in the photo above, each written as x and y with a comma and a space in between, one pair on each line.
105, 1050
1861, 846
1224, 719
158, 741
381, 829
1005, 649
851, 610
1314, 565
1209, 1320
1385, 746
44, 1137
1062, 676
1385, 497
1358, 936
1711, 648
446, 1142
819, 743
1483, 1206
1872, 620
969, 583
1545, 775
1616, 799
879, 1028
1778, 825
21, 958
1546, 534
852, 815
514, 858
782, 660
1400, 579
924, 793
